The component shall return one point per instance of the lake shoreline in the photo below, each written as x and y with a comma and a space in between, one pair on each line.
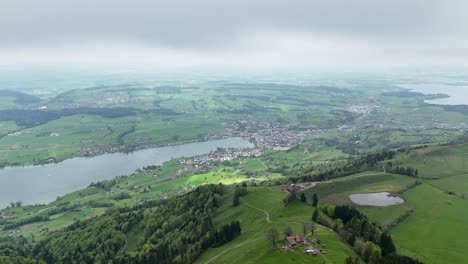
43, 183
125, 149
446, 94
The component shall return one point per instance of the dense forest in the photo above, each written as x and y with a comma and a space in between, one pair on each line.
176, 230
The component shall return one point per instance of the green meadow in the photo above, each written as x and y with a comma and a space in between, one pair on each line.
438, 204
259, 211
436, 232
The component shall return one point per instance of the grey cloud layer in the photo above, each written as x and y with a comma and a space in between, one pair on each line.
208, 24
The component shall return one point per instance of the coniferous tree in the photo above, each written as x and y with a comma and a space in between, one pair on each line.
303, 198
314, 200
315, 215
273, 235
235, 201
305, 228
386, 243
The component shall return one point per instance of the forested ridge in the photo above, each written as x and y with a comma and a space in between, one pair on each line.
305, 173
176, 230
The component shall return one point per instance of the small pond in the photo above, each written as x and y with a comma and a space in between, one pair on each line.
376, 199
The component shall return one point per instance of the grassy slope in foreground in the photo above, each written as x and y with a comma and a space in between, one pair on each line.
436, 232
252, 245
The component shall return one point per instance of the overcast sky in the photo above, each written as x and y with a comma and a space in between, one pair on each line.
237, 33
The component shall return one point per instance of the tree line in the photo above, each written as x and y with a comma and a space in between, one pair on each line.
352, 166
176, 230
368, 239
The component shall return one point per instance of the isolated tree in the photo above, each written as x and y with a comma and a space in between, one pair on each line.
235, 201
312, 228
288, 231
314, 200
315, 215
303, 198
273, 235
305, 228
289, 198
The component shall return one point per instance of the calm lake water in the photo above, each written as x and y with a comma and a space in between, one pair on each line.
375, 199
458, 95
42, 184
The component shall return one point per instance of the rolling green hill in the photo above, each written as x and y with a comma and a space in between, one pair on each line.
422, 227
261, 210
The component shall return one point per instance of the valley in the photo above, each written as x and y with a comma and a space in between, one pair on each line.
285, 144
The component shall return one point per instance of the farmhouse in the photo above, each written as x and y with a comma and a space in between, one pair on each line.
293, 241
299, 239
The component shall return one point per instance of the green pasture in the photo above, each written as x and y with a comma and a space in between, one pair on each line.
252, 246
436, 232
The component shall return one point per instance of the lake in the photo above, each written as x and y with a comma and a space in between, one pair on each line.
458, 95
375, 199
43, 183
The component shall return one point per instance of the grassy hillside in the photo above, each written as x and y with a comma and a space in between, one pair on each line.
422, 227
338, 191
439, 220
436, 232
433, 228
259, 211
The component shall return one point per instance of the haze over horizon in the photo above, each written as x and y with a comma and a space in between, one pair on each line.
243, 34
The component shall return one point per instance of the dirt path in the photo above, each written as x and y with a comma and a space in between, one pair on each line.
265, 212
252, 239
268, 218
236, 246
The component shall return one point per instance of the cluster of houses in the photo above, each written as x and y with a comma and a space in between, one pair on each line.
270, 135
203, 163
298, 240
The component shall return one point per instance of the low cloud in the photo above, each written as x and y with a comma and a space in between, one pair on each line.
241, 33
